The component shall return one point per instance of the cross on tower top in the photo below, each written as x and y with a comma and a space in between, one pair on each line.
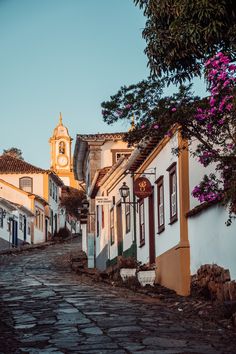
60, 119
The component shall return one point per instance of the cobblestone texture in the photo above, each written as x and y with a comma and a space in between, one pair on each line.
47, 309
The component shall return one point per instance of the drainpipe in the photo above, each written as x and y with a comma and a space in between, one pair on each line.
134, 220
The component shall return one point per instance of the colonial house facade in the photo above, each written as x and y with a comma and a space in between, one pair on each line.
34, 188
114, 231
15, 224
25, 222
167, 228
92, 153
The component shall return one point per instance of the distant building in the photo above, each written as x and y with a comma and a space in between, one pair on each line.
16, 224
34, 188
95, 154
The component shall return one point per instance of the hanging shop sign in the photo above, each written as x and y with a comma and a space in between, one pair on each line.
142, 187
102, 200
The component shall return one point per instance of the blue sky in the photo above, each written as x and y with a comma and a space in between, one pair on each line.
64, 56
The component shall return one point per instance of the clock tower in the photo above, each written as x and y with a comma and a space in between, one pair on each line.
61, 159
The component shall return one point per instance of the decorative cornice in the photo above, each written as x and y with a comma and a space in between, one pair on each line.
102, 136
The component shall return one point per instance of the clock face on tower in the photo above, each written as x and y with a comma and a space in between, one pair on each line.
62, 160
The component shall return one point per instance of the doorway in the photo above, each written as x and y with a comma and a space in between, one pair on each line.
152, 252
14, 233
119, 228
25, 229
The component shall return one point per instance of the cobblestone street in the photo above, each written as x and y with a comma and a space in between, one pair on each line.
45, 308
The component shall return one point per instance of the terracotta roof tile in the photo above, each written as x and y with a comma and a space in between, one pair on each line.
9, 164
12, 165
103, 136
101, 173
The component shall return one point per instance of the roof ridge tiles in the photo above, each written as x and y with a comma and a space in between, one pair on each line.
10, 164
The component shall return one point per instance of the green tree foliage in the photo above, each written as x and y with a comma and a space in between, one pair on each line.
180, 34
210, 120
14, 152
154, 114
137, 100
71, 199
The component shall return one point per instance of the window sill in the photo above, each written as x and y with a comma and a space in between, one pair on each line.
161, 229
142, 243
173, 219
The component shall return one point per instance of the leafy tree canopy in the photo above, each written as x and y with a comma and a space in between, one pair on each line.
14, 152
71, 199
154, 114
180, 34
137, 100
210, 120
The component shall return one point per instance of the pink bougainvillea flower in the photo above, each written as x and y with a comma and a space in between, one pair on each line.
232, 67
209, 127
156, 126
229, 107
119, 113
212, 101
226, 83
230, 147
169, 134
221, 121
173, 109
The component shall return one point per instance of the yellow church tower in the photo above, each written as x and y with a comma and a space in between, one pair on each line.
61, 158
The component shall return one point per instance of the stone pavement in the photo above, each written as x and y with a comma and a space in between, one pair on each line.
44, 308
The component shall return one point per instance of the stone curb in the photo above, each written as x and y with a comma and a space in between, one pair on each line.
33, 247
25, 248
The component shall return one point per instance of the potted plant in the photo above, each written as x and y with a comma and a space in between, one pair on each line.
128, 267
146, 275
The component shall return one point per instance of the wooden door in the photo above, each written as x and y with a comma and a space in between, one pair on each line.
25, 229
151, 229
119, 229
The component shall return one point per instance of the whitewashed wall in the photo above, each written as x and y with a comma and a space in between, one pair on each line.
143, 251
196, 173
4, 233
66, 180
54, 206
17, 214
14, 195
37, 181
100, 235
211, 241
106, 153
20, 197
127, 238
170, 237
103, 238
39, 235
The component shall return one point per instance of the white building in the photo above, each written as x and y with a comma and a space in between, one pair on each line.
36, 189
15, 224
168, 228
94, 152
